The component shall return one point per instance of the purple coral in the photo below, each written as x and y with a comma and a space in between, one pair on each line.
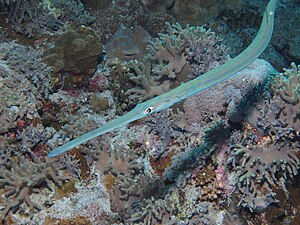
261, 164
197, 46
21, 177
268, 157
19, 10
279, 115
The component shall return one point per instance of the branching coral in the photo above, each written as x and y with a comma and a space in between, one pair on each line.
37, 17
72, 11
194, 45
20, 10
26, 62
208, 188
168, 52
262, 166
21, 177
155, 211
24, 83
32, 136
146, 87
175, 57
279, 116
266, 154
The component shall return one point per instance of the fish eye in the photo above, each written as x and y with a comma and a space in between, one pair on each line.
148, 110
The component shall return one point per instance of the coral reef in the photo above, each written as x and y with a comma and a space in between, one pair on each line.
89, 202
111, 16
222, 156
26, 62
146, 86
230, 26
265, 154
70, 11
279, 116
25, 81
75, 49
35, 18
194, 45
226, 100
262, 166
20, 10
21, 177
173, 58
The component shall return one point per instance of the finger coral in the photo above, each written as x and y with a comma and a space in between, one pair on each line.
20, 9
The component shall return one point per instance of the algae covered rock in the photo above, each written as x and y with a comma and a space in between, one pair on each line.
75, 49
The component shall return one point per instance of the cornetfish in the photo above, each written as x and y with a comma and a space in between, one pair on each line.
189, 88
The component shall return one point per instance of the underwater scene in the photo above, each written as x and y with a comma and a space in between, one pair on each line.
155, 112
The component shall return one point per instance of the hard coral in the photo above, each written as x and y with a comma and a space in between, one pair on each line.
25, 63
75, 49
21, 177
206, 180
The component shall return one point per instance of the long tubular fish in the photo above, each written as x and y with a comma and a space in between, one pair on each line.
189, 88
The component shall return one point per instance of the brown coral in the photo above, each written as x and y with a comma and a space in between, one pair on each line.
75, 49
206, 180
